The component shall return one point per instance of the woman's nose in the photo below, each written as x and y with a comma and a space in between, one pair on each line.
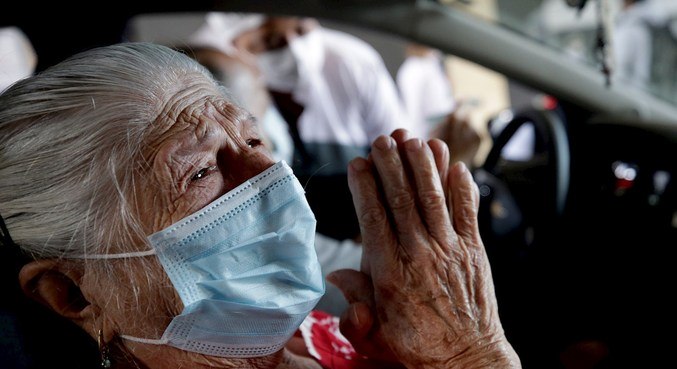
257, 163
242, 164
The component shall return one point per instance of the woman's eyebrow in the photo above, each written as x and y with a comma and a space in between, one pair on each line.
199, 137
242, 121
203, 136
251, 120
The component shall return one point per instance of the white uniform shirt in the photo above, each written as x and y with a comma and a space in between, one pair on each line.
426, 91
335, 255
632, 46
349, 97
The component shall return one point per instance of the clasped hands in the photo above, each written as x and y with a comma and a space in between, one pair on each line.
424, 297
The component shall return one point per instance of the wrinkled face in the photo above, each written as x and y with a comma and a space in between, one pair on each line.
275, 33
201, 146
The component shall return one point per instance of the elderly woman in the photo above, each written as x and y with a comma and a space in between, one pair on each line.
145, 210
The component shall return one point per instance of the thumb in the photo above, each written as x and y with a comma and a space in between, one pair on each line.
359, 323
356, 286
355, 325
357, 320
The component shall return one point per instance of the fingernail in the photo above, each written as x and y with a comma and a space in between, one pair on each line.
414, 144
359, 164
461, 167
384, 143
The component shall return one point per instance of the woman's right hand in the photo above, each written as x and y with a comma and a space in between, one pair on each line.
424, 296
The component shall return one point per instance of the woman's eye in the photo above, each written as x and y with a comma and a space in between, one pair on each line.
254, 142
202, 173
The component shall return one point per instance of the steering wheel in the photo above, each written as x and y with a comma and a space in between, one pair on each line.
518, 197
521, 202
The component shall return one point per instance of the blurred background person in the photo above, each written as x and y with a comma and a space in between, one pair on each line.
425, 88
632, 43
428, 97
333, 91
17, 56
246, 85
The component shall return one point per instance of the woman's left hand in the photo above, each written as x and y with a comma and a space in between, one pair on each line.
424, 296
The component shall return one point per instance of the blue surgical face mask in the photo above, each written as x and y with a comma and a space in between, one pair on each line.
245, 268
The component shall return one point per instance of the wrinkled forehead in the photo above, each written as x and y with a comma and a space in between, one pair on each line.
195, 106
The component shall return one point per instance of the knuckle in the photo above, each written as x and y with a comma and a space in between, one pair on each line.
372, 217
432, 199
469, 213
401, 200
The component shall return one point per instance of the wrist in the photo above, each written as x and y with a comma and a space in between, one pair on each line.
495, 354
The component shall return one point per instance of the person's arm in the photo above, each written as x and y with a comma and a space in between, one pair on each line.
461, 137
424, 296
382, 109
642, 53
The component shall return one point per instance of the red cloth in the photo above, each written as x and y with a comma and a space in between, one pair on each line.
326, 344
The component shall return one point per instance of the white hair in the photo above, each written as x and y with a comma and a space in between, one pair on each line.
70, 144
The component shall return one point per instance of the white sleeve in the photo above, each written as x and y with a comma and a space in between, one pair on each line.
426, 92
334, 255
382, 109
642, 65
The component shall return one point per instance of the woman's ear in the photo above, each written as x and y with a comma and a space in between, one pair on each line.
56, 286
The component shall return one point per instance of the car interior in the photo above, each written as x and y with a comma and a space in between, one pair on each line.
579, 233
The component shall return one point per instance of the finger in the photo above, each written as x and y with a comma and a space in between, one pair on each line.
375, 227
429, 191
465, 201
400, 135
440, 151
356, 324
399, 194
356, 286
442, 159
364, 262
436, 211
